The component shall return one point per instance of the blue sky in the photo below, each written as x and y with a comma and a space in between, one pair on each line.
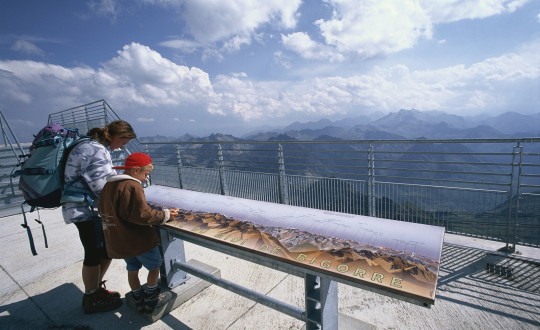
172, 67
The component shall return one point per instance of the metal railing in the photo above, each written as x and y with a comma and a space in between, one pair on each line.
10, 150
9, 139
87, 116
488, 188
477, 187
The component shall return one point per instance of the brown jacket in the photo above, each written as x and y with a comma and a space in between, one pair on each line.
127, 218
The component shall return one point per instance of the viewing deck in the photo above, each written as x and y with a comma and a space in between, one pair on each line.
486, 193
45, 291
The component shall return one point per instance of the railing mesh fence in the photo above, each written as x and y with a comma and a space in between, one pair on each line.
487, 188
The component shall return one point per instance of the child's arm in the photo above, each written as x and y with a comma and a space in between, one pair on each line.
136, 210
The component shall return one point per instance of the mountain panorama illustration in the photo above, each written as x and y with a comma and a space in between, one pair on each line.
398, 271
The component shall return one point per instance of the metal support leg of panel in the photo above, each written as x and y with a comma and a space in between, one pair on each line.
321, 303
171, 249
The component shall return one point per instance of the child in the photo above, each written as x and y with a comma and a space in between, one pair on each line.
127, 227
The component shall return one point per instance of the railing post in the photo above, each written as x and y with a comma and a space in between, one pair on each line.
515, 184
106, 113
371, 182
179, 166
221, 166
282, 181
146, 151
511, 233
87, 119
518, 197
3, 133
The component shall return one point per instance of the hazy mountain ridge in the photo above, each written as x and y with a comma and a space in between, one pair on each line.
404, 124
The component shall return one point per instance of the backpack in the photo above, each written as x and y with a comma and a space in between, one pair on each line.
42, 172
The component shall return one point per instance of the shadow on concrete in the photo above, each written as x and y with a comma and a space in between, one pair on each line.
61, 308
465, 280
459, 262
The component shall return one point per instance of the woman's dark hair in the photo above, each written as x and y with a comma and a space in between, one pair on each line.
104, 135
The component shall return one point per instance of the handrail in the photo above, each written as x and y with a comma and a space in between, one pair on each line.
7, 141
97, 112
6, 137
381, 180
506, 140
94, 103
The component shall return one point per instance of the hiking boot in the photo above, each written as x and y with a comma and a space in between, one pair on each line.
99, 301
138, 301
104, 290
155, 300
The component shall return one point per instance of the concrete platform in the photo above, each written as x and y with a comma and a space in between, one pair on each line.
45, 291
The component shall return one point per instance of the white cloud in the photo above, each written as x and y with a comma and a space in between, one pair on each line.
235, 43
145, 85
301, 43
372, 27
216, 20
27, 47
455, 10
145, 120
11, 89
357, 29
360, 29
186, 46
282, 59
489, 85
137, 78
142, 76
212, 54
35, 81
232, 22
106, 8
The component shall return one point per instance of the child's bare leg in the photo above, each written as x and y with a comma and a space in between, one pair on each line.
153, 277
133, 280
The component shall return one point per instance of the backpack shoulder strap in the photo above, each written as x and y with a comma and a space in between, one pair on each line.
69, 192
67, 151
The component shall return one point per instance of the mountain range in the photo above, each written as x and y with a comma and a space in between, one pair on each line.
404, 124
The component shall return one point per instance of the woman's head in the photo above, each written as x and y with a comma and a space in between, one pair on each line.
115, 135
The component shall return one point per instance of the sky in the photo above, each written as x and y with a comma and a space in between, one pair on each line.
175, 67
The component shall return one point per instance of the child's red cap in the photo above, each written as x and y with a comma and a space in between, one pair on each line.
137, 159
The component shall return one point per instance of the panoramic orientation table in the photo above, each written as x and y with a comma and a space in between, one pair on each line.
394, 258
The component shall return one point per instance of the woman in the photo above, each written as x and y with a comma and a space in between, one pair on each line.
87, 168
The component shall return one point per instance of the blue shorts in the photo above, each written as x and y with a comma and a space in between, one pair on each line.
150, 260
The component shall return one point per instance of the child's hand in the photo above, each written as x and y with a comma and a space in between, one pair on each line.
173, 213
